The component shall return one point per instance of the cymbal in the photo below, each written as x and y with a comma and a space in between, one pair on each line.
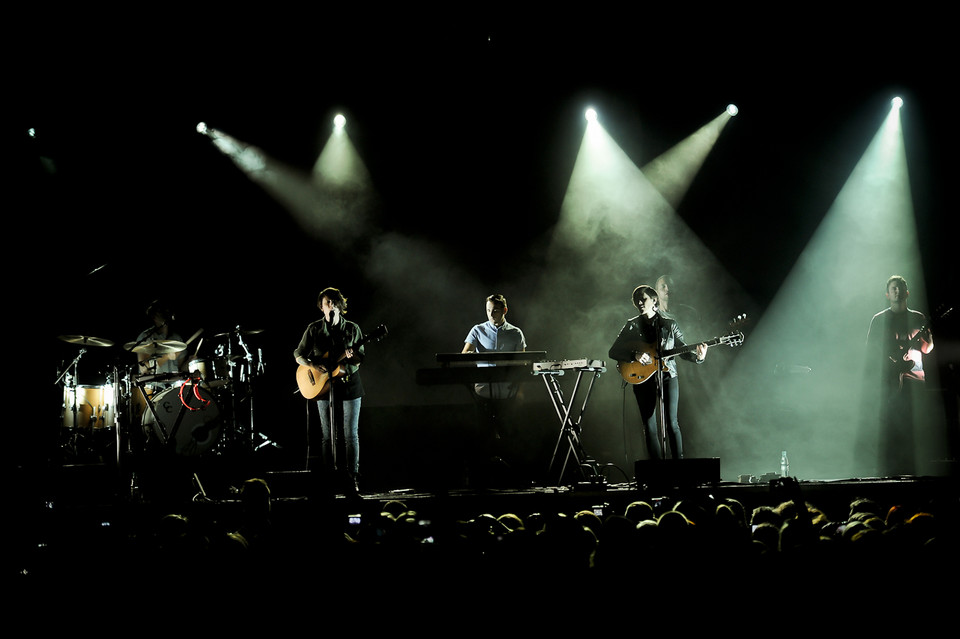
86, 340
159, 347
246, 331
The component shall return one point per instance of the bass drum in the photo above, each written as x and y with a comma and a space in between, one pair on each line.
194, 409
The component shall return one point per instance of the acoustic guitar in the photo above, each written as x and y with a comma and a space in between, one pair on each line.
637, 373
314, 381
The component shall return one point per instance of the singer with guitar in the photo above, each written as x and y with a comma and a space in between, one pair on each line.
640, 341
331, 350
897, 340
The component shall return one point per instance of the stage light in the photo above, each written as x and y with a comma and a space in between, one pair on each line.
202, 128
732, 109
339, 121
591, 115
897, 102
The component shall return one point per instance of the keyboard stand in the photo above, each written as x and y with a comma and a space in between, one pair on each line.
569, 427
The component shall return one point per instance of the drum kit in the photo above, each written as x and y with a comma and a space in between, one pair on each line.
202, 406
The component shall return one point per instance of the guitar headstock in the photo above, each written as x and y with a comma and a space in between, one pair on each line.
375, 335
732, 339
735, 337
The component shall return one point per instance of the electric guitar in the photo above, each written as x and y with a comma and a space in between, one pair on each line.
314, 381
637, 373
900, 355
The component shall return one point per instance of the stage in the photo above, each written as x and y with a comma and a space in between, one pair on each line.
94, 503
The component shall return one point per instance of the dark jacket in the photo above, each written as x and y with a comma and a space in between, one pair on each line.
640, 334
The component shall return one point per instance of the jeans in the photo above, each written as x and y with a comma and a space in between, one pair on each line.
647, 395
350, 418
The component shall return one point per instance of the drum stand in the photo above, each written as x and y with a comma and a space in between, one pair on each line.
570, 428
242, 375
125, 432
71, 382
264, 441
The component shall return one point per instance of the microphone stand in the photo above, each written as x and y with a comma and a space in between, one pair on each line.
71, 365
333, 427
332, 404
331, 415
662, 431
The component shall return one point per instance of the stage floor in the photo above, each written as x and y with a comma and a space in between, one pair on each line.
103, 488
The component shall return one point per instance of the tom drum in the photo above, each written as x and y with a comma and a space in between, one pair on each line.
89, 407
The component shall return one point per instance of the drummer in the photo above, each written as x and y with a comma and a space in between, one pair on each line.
165, 356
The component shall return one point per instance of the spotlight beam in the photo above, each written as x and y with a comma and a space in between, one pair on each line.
673, 172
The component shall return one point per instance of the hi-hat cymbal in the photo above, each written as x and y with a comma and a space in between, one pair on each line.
86, 340
159, 347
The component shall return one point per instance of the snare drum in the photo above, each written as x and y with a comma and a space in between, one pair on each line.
89, 407
214, 372
194, 409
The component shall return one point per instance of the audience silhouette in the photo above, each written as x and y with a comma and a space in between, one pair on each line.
715, 541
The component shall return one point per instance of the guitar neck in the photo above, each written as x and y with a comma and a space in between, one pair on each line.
689, 348
918, 336
633, 372
921, 333
375, 336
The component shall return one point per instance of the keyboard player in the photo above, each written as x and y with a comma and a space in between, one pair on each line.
494, 400
496, 334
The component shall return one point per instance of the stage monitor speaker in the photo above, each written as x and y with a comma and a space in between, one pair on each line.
677, 473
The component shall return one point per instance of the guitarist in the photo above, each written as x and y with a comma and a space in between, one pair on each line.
639, 341
328, 346
897, 340
900, 334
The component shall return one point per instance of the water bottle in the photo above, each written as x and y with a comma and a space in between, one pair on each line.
784, 464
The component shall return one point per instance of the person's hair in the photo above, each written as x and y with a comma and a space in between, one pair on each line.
497, 298
665, 278
895, 278
255, 495
335, 296
159, 307
638, 294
